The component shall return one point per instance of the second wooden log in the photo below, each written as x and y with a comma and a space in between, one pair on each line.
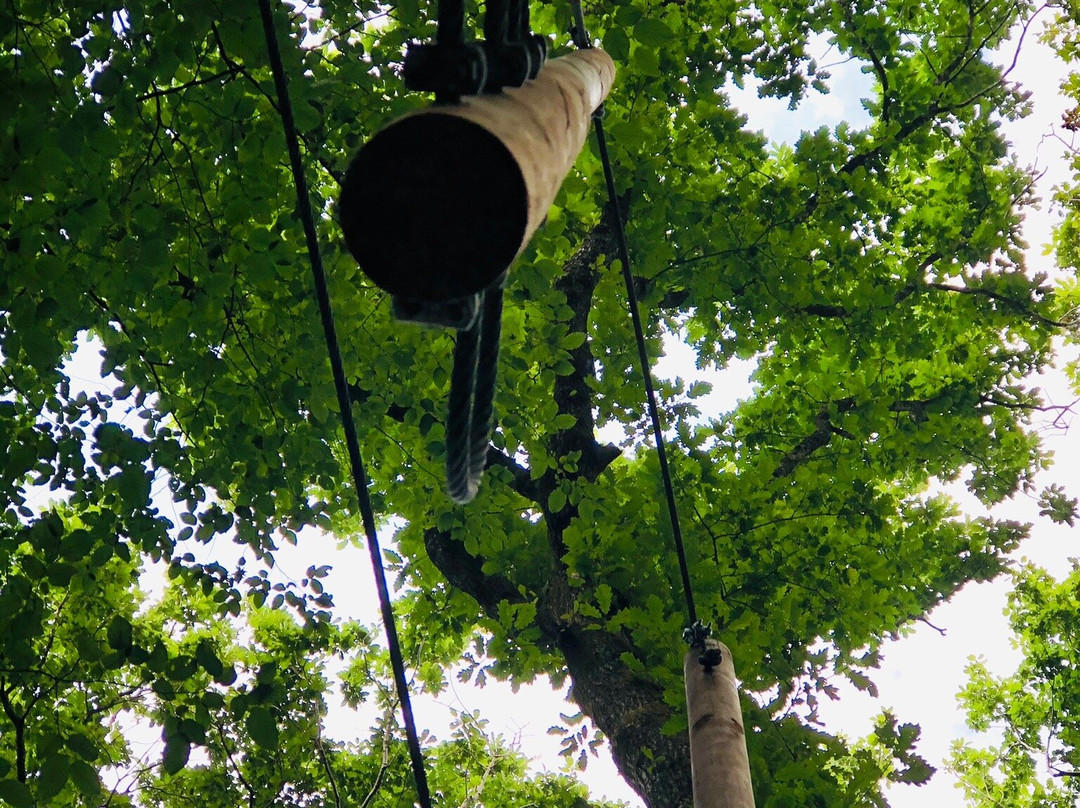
719, 763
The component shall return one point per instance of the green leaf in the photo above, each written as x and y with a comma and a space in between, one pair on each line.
193, 730
573, 340
262, 727
603, 597
82, 746
208, 659
77, 545
119, 634
52, 777
652, 32
564, 420
48, 308
159, 658
175, 756
645, 61
227, 675
107, 82
16, 794
85, 778
617, 44
862, 682
557, 500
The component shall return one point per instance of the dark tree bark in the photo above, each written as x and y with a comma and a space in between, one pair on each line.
628, 709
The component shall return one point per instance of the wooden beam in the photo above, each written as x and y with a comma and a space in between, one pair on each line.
719, 764
439, 203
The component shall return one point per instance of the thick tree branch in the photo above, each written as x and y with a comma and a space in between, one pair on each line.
572, 392
18, 723
521, 481
820, 437
466, 572
875, 60
628, 709
1016, 305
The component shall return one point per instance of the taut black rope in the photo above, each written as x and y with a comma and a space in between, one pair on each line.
352, 443
696, 632
646, 371
472, 395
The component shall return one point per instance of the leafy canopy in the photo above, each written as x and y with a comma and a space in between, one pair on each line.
874, 274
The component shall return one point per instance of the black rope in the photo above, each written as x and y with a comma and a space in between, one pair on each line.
581, 39
450, 25
497, 15
344, 404
487, 367
459, 414
471, 402
646, 371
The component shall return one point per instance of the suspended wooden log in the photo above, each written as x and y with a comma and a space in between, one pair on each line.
438, 204
719, 764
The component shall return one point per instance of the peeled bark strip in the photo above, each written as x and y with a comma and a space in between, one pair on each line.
439, 203
720, 767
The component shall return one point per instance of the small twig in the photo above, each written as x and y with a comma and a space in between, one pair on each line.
939, 630
382, 772
326, 766
230, 72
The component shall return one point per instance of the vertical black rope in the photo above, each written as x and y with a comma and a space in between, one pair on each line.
524, 27
471, 402
450, 26
646, 371
344, 404
497, 21
459, 413
580, 35
487, 367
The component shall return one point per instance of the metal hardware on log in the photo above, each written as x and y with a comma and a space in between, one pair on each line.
439, 203
719, 765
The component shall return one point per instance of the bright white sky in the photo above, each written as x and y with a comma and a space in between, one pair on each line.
922, 672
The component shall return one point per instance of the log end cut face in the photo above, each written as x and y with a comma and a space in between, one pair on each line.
434, 207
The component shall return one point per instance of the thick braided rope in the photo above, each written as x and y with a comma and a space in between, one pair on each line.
487, 367
459, 414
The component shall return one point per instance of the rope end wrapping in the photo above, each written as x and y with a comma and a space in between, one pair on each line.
695, 636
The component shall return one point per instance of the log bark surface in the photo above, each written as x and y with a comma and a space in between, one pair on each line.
720, 767
439, 203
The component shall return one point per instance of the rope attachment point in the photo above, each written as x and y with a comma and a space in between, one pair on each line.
695, 636
509, 55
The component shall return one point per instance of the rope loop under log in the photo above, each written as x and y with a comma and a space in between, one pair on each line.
472, 393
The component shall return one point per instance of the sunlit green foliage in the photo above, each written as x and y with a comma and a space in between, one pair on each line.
1035, 759
875, 274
